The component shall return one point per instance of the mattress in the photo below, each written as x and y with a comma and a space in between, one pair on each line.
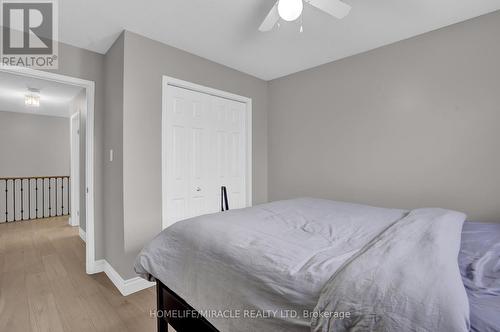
284, 254
263, 267
479, 262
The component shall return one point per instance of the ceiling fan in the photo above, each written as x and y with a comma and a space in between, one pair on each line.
290, 10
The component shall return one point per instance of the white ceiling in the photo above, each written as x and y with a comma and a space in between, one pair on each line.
55, 98
225, 31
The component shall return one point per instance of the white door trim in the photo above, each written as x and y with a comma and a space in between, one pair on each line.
75, 173
89, 86
170, 81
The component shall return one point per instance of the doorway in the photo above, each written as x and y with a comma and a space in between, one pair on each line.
85, 165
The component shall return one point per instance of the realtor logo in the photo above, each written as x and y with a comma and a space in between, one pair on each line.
29, 33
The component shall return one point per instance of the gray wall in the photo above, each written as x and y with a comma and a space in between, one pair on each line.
80, 63
113, 139
33, 145
413, 124
145, 61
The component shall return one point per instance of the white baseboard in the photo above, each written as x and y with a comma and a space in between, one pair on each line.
97, 267
83, 235
126, 287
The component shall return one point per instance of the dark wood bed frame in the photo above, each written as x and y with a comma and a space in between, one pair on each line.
169, 302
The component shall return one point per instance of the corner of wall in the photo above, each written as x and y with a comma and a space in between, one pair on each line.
113, 140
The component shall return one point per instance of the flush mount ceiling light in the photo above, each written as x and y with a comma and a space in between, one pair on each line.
290, 10
32, 98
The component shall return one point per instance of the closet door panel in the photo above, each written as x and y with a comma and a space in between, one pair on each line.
205, 149
231, 149
188, 162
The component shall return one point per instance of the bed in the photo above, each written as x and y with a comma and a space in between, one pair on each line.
283, 266
479, 261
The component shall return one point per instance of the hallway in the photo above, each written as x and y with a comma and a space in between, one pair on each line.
44, 287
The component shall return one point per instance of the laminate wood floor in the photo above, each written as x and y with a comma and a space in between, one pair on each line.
44, 287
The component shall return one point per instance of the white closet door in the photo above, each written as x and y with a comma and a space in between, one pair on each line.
230, 149
205, 145
188, 157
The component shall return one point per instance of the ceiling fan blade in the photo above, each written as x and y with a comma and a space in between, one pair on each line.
335, 8
271, 19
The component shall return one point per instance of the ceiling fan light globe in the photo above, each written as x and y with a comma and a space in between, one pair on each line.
290, 10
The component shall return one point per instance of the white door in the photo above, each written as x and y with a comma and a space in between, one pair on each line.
229, 149
75, 169
204, 149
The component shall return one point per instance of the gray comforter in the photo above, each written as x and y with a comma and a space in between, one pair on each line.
405, 279
283, 266
479, 262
